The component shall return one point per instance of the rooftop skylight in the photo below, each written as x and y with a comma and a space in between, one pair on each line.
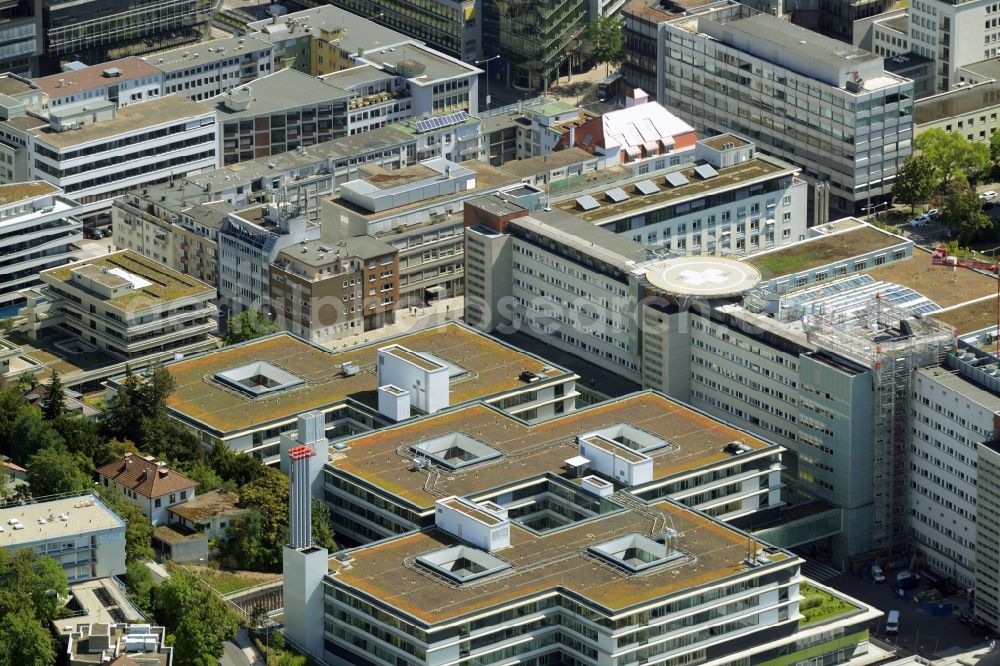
462, 564
636, 552
455, 450
258, 378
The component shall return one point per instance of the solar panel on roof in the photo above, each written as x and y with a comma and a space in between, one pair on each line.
646, 187
587, 202
439, 122
706, 171
616, 194
676, 179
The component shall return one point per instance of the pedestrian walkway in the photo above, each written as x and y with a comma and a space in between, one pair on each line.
817, 571
408, 320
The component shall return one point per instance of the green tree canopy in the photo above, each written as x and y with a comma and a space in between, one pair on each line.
605, 39
962, 212
248, 325
952, 155
198, 620
916, 181
31, 433
138, 529
53, 404
24, 641
995, 147
54, 470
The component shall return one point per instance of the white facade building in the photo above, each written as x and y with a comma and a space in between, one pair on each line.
426, 379
954, 35
147, 483
83, 535
207, 69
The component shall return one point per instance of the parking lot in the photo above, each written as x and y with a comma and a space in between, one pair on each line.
919, 631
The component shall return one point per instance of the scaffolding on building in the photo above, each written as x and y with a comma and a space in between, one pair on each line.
891, 342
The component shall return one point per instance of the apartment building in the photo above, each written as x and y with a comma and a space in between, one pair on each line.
858, 130
124, 81
250, 418
249, 242
125, 305
96, 152
148, 483
725, 199
329, 288
38, 231
209, 69
100, 30
277, 113
84, 536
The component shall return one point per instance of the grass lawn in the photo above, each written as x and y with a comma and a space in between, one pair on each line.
817, 605
228, 581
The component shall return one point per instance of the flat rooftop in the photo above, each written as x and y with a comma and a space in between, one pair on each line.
84, 514
531, 166
12, 86
431, 66
762, 167
128, 119
69, 83
492, 367
822, 250
164, 284
286, 89
530, 450
557, 560
18, 191
969, 390
44, 354
358, 32
193, 55
957, 103
945, 286
971, 317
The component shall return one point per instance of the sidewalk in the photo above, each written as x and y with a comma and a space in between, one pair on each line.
407, 321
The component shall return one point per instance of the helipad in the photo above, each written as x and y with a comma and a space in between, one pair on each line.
709, 277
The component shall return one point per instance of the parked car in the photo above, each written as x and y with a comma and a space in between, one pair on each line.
878, 575
989, 195
892, 623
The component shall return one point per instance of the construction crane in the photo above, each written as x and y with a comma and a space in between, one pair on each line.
940, 257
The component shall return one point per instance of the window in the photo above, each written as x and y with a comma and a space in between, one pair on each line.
173, 497
158, 502
184, 495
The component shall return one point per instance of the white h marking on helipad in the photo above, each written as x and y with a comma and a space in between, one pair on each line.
707, 276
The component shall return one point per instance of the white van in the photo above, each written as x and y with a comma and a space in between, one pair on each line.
892, 623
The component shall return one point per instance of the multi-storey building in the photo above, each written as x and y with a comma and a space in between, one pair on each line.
22, 35
83, 535
953, 35
450, 26
94, 153
987, 532
329, 288
200, 71
803, 97
249, 242
37, 232
228, 407
124, 305
99, 30
122, 82
277, 113
148, 483
725, 199
119, 643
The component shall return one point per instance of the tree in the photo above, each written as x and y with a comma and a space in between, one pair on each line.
952, 155
962, 212
12, 405
605, 37
53, 405
322, 533
25, 641
138, 400
31, 583
915, 182
31, 434
198, 620
83, 436
138, 529
237, 468
248, 325
140, 584
54, 471
995, 147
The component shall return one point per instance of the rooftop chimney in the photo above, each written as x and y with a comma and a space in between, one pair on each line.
300, 498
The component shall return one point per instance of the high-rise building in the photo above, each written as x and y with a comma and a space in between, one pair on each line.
829, 108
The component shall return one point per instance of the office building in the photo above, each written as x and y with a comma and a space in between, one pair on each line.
85, 537
277, 113
969, 110
94, 153
208, 69
148, 483
857, 132
953, 35
122, 82
124, 305
37, 232
120, 644
329, 288
249, 243
217, 399
450, 26
99, 30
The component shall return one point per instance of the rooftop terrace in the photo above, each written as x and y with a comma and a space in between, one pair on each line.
542, 563
529, 450
164, 284
759, 168
491, 368
18, 191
